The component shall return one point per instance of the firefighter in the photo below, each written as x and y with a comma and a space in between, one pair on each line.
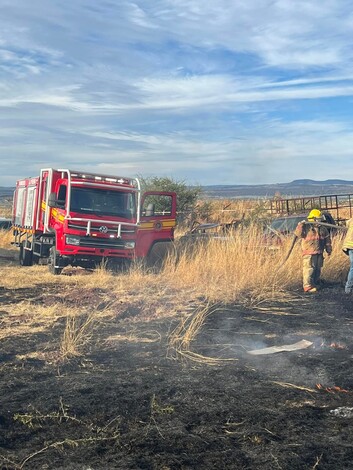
348, 249
315, 240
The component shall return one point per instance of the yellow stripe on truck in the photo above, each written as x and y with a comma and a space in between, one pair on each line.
165, 224
57, 216
169, 223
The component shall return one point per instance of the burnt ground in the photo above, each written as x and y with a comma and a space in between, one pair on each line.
132, 402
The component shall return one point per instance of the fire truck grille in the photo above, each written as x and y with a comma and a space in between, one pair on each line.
102, 243
95, 229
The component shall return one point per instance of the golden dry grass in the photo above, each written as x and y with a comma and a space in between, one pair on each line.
246, 270
238, 270
6, 209
241, 269
6, 238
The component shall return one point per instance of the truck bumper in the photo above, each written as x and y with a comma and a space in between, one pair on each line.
96, 253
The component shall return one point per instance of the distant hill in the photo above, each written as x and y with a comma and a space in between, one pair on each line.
6, 192
301, 187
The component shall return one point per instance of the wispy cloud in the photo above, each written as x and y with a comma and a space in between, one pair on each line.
195, 93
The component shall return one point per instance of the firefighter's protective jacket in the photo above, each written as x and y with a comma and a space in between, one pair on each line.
315, 238
348, 240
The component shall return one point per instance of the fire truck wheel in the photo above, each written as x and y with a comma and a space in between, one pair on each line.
53, 261
26, 256
158, 255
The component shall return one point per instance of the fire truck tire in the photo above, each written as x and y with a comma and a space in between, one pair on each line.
53, 261
26, 256
158, 255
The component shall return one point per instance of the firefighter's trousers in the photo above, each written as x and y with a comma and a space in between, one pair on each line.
312, 265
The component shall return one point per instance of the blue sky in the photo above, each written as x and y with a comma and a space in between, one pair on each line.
226, 92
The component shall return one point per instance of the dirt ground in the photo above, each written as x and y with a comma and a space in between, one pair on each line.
132, 402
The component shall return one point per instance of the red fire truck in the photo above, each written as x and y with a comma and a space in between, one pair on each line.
64, 217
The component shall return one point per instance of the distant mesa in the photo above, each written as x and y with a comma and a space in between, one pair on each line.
301, 187
325, 182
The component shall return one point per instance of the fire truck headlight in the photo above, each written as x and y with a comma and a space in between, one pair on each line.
72, 240
130, 245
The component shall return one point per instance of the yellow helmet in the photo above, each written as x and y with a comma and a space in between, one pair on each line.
314, 214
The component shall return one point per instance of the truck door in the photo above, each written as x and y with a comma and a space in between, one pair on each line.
157, 221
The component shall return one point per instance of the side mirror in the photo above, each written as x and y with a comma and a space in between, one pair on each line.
53, 202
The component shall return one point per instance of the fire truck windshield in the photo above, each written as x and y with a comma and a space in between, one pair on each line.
103, 202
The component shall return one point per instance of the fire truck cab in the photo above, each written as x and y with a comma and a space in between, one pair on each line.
64, 217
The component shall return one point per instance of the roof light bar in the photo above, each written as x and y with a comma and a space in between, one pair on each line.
108, 179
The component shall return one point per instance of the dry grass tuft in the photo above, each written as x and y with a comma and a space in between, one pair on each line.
77, 334
190, 325
188, 328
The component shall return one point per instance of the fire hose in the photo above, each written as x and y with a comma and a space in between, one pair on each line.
295, 238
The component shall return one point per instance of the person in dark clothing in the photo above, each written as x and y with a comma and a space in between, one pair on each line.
315, 240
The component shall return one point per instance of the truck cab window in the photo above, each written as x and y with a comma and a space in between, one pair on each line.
103, 202
155, 205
